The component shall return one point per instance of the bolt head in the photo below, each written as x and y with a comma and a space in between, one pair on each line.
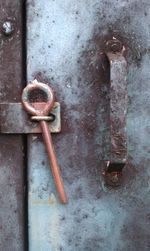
114, 45
7, 28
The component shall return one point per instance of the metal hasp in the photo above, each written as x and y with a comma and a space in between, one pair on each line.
117, 112
14, 120
40, 113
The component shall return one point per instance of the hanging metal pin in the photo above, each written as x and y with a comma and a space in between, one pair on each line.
33, 109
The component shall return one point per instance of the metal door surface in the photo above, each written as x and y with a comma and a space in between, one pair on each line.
66, 48
64, 44
11, 146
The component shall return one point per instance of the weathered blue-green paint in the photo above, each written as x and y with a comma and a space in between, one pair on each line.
64, 43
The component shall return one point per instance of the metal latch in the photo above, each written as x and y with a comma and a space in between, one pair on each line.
14, 120
45, 118
41, 114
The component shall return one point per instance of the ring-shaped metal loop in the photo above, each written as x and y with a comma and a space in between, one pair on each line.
35, 85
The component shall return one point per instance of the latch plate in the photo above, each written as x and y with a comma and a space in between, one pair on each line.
14, 120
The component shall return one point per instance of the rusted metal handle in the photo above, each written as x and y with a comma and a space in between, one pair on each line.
118, 112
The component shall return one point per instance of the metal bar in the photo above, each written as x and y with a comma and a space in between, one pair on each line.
14, 120
118, 109
54, 163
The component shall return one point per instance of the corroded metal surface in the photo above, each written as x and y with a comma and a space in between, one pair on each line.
11, 193
14, 120
65, 44
11, 147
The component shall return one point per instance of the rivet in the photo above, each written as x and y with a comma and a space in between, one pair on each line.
7, 28
114, 45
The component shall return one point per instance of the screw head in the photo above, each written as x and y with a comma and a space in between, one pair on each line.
7, 28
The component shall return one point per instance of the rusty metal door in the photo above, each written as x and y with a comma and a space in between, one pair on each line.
82, 50
65, 45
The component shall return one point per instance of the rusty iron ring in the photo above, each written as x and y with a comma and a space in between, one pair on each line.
28, 106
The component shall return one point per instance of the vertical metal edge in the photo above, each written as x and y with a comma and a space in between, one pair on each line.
11, 150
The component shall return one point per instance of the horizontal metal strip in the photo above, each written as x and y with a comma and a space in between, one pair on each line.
14, 120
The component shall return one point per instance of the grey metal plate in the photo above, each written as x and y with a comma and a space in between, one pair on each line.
64, 44
12, 234
14, 120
